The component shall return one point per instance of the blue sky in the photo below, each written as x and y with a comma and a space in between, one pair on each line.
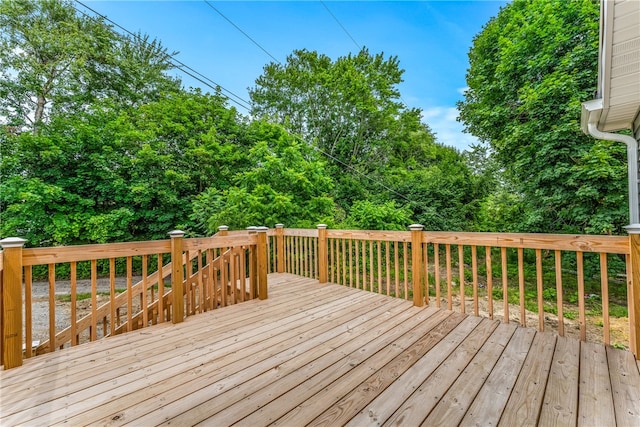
430, 38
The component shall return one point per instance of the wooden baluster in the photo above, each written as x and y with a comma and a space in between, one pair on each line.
461, 278
487, 252
582, 320
523, 313
559, 299
52, 308
449, 280
604, 286
28, 304
540, 290
94, 300
436, 267
505, 284
474, 271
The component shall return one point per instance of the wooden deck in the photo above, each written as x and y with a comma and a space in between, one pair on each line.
327, 355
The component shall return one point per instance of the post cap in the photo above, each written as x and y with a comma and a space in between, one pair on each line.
12, 242
176, 233
322, 226
262, 229
633, 228
416, 227
223, 228
252, 229
279, 225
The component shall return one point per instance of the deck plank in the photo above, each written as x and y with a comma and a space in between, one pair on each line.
416, 408
173, 402
486, 409
624, 384
305, 399
325, 354
229, 340
454, 404
560, 405
168, 366
523, 406
595, 404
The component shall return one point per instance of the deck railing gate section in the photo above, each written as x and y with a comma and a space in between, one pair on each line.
211, 272
420, 266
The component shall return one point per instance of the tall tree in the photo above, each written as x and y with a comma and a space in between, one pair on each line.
53, 59
530, 68
349, 108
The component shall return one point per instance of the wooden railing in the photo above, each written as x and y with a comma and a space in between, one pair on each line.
212, 272
552, 282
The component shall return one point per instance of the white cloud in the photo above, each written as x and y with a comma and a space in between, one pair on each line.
442, 120
462, 90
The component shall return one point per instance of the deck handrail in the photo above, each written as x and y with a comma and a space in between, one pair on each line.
214, 272
383, 261
453, 270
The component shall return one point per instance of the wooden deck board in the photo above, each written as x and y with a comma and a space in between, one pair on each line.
326, 355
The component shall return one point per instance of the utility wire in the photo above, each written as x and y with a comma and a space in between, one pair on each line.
181, 67
240, 29
175, 62
341, 26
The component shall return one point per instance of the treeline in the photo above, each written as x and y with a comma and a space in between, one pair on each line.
100, 144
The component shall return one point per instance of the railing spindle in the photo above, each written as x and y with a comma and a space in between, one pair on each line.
115, 316
436, 271
559, 296
523, 313
388, 266
52, 308
371, 267
487, 252
405, 257
461, 277
379, 268
604, 283
449, 279
396, 270
505, 284
129, 294
474, 272
28, 294
581, 297
94, 300
540, 289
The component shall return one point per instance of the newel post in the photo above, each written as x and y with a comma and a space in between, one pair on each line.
416, 264
262, 262
12, 302
323, 267
280, 248
223, 230
633, 280
177, 276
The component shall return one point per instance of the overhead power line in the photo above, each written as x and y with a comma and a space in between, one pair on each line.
175, 62
240, 29
341, 26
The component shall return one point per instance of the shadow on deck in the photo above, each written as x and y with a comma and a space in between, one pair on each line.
327, 355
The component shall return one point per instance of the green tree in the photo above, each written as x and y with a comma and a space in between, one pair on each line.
285, 182
105, 175
53, 60
530, 69
349, 109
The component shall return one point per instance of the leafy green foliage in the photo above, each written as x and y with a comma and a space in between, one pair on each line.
284, 182
530, 69
366, 215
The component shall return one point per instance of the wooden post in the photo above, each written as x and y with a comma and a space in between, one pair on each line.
280, 248
633, 279
177, 277
416, 264
222, 230
253, 265
323, 267
262, 263
12, 302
